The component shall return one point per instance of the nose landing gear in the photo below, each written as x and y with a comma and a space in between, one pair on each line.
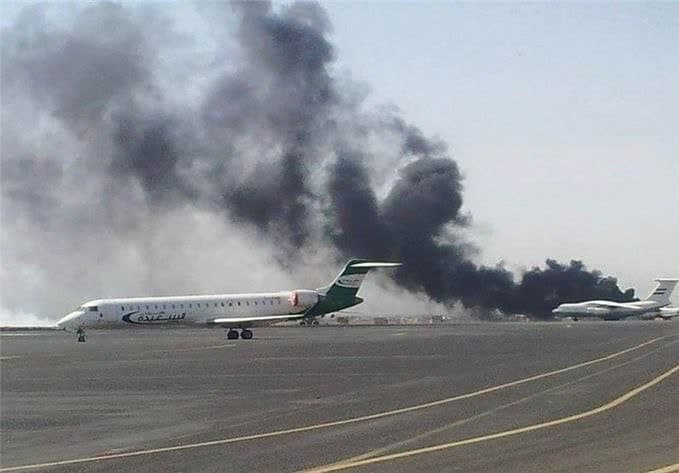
81, 335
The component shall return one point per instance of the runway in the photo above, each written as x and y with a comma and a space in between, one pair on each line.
491, 397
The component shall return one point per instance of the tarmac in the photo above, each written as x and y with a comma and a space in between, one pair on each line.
482, 397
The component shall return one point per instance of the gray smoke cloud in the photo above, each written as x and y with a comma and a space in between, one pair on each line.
140, 158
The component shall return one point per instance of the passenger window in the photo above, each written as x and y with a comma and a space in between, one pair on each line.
255, 302
147, 307
247, 302
122, 308
190, 306
173, 306
156, 307
198, 304
238, 302
230, 304
181, 305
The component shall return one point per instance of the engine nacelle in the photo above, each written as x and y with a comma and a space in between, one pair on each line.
303, 298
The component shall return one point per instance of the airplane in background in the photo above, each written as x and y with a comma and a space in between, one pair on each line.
232, 311
610, 310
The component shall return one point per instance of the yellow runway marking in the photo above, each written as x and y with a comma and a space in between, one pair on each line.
402, 443
666, 469
529, 428
351, 420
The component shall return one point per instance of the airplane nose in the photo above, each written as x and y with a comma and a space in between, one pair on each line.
70, 322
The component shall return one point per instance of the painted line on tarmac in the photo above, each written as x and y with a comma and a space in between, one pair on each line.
5, 358
351, 420
666, 469
208, 347
184, 350
438, 430
484, 438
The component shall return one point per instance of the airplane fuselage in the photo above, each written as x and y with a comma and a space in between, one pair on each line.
186, 310
608, 309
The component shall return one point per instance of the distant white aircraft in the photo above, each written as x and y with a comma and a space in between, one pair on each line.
609, 310
232, 311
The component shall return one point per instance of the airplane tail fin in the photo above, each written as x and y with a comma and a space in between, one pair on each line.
663, 290
342, 292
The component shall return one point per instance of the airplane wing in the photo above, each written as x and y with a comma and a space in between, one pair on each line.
254, 321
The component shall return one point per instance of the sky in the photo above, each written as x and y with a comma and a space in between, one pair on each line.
562, 117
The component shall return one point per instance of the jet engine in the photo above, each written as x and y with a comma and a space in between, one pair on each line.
303, 298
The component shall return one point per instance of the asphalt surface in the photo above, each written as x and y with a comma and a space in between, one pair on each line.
292, 399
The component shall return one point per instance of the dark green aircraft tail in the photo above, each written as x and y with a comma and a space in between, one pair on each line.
342, 292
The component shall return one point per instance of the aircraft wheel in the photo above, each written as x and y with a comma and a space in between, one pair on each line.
246, 334
301, 322
315, 322
232, 334
81, 335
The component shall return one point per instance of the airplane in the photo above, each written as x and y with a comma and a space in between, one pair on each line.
609, 310
232, 311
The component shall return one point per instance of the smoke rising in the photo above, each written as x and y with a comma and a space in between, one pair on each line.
116, 180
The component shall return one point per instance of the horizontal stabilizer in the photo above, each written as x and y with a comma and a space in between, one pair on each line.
375, 264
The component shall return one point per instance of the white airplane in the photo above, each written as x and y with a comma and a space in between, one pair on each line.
232, 311
609, 310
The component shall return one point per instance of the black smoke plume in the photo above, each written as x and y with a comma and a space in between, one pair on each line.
119, 128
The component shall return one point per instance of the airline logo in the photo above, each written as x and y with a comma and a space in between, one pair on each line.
352, 281
149, 318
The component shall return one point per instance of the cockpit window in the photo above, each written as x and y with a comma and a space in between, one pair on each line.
93, 308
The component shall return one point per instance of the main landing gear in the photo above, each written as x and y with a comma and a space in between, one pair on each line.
245, 334
81, 335
309, 322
